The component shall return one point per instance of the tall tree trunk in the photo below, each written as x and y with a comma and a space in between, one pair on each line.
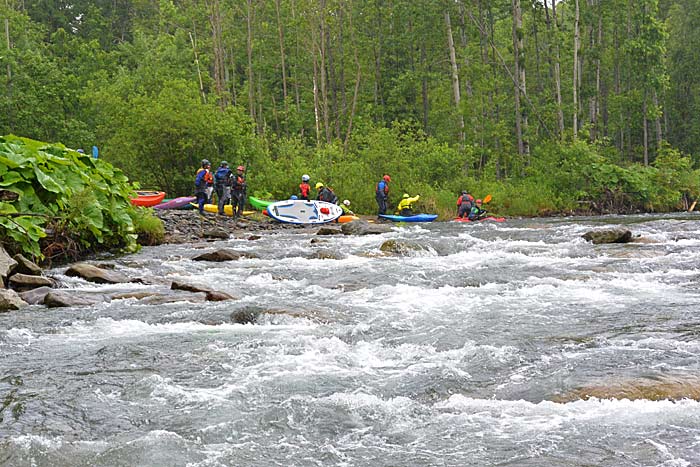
295, 71
283, 64
322, 70
193, 40
577, 40
646, 129
219, 54
378, 94
519, 78
358, 76
465, 44
317, 112
424, 85
659, 134
250, 11
455, 77
557, 70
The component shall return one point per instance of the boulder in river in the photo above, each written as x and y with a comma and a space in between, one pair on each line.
223, 254
35, 296
362, 227
329, 231
25, 266
23, 282
64, 298
211, 295
7, 264
95, 274
616, 235
400, 247
10, 300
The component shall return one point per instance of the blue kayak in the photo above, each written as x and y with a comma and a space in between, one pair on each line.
415, 218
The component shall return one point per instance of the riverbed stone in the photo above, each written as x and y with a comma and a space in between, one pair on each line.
223, 254
95, 274
616, 235
192, 297
10, 300
209, 294
26, 266
329, 231
400, 247
245, 316
216, 296
23, 282
362, 227
7, 264
35, 296
65, 298
216, 232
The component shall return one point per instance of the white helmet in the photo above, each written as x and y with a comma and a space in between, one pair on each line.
305, 178
346, 202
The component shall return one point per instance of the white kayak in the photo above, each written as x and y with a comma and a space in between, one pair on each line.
304, 212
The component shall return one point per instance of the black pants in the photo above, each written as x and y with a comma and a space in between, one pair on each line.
201, 200
238, 202
381, 203
464, 210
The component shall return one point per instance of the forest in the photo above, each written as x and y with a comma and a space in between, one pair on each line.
576, 106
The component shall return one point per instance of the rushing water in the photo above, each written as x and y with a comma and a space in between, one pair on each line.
478, 349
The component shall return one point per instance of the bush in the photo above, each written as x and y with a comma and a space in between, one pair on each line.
149, 228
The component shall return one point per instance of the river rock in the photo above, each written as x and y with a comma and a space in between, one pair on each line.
223, 254
245, 316
95, 274
400, 247
617, 235
26, 282
329, 231
7, 264
216, 232
362, 227
210, 295
192, 297
35, 296
64, 298
326, 254
25, 266
10, 300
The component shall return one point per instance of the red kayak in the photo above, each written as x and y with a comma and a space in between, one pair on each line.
488, 218
148, 198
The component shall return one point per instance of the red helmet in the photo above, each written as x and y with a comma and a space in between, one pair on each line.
241, 168
478, 201
387, 178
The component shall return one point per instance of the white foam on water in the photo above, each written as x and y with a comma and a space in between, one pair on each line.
19, 336
108, 328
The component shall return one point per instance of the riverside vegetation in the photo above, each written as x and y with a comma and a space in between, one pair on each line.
551, 107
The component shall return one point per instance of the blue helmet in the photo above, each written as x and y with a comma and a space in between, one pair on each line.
293, 197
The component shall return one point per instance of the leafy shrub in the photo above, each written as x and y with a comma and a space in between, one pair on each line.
149, 228
63, 192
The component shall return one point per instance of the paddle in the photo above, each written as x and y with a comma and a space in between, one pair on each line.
487, 199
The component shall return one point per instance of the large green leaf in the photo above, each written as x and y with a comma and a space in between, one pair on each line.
48, 182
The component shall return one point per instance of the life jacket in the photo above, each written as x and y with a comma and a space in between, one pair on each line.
238, 183
200, 179
326, 194
305, 190
465, 199
222, 176
382, 188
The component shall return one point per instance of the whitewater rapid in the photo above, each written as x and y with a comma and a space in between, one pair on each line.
513, 344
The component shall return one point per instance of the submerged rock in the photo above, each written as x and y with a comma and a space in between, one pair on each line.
35, 296
400, 247
618, 235
329, 231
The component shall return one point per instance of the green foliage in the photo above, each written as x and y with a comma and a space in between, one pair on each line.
64, 191
149, 229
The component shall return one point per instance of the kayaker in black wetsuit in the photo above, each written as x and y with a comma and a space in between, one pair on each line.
476, 213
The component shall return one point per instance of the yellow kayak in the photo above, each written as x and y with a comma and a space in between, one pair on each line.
228, 209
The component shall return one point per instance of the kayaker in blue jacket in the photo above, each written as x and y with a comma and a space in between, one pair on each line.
381, 193
200, 184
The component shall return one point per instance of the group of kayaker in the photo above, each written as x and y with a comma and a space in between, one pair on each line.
231, 189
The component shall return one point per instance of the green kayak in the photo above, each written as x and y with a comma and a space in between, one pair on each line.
259, 204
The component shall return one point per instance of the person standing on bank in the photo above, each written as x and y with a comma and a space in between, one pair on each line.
238, 190
382, 193
200, 184
305, 188
222, 184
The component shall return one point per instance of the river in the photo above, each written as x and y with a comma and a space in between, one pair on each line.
480, 348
